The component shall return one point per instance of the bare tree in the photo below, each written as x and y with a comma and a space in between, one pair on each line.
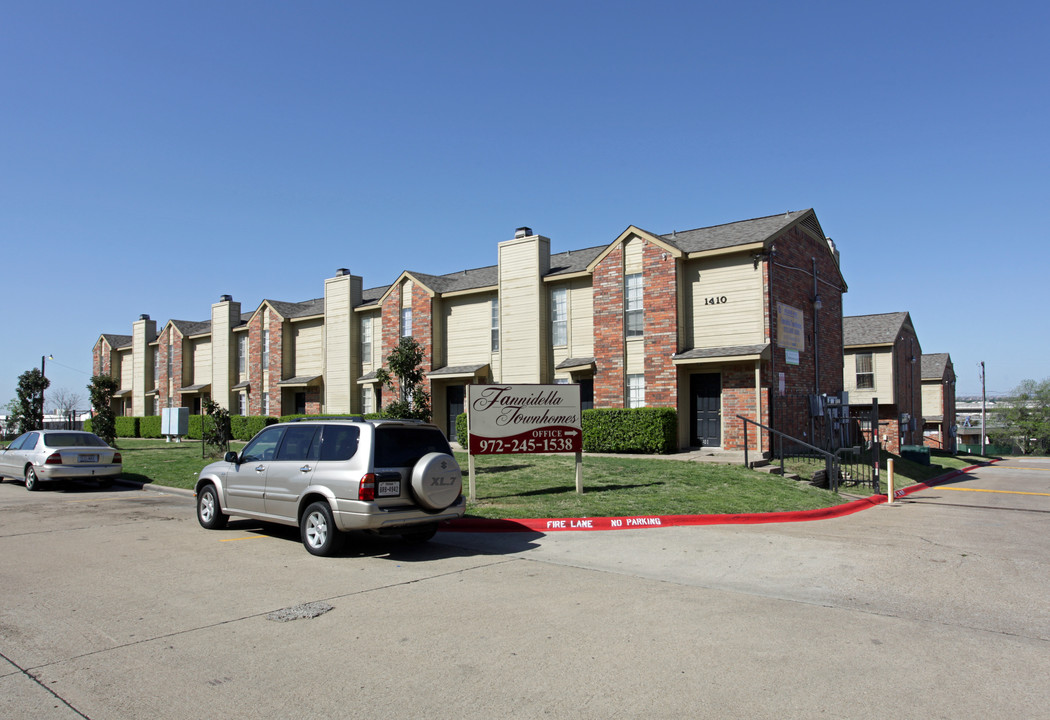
64, 400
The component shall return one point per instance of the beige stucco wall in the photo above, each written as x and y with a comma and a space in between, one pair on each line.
723, 302
524, 319
882, 365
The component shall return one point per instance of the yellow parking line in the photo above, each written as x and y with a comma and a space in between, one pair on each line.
1005, 492
250, 537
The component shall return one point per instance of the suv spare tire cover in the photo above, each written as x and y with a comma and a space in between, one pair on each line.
436, 481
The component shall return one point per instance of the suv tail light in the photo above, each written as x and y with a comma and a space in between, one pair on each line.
117, 459
53, 459
367, 489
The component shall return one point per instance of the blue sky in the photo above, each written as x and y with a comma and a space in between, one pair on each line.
158, 155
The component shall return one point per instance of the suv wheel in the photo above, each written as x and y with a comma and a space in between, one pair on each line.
318, 530
209, 514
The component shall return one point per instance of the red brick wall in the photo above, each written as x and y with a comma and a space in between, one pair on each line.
738, 398
422, 332
254, 361
391, 324
607, 284
423, 327
101, 363
660, 303
169, 334
792, 284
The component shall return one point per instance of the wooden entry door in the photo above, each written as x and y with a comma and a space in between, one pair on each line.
705, 392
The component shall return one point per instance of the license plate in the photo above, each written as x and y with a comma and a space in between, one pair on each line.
388, 488
87, 458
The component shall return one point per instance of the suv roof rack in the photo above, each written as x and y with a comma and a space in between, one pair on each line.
352, 418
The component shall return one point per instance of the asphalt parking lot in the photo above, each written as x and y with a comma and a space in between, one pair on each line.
116, 604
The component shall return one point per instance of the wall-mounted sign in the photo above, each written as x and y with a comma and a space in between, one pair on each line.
791, 328
506, 419
791, 357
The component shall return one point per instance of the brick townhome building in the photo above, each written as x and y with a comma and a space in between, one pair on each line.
938, 402
883, 362
694, 320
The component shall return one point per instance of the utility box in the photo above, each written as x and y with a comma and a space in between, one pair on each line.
175, 422
916, 453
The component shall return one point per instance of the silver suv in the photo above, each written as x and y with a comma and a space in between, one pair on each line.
328, 476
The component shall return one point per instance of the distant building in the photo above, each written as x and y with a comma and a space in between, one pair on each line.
882, 362
938, 402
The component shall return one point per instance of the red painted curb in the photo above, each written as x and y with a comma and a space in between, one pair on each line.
535, 525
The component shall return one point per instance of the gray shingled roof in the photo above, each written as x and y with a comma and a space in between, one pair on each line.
290, 310
872, 329
730, 351
934, 365
575, 362
191, 327
731, 234
574, 261
117, 341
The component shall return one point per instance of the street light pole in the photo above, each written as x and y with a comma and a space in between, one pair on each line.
43, 358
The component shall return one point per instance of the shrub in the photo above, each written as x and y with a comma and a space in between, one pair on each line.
630, 430
126, 426
149, 426
245, 427
461, 431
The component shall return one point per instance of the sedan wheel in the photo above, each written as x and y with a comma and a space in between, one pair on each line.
319, 533
32, 482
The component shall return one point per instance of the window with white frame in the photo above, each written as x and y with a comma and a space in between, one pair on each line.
633, 320
242, 404
266, 403
366, 340
406, 322
865, 371
156, 366
265, 349
559, 317
495, 324
367, 400
242, 354
635, 391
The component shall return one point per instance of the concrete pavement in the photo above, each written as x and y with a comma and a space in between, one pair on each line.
116, 604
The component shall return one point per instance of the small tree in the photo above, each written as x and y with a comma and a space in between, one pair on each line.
405, 364
216, 432
104, 422
1026, 421
30, 415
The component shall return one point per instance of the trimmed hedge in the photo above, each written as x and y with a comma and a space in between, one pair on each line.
630, 430
149, 426
245, 427
127, 426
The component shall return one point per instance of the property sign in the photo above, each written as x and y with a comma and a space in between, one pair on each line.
791, 328
505, 419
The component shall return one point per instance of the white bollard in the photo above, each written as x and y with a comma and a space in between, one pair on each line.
889, 481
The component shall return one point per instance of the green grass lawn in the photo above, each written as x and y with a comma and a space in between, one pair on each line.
544, 486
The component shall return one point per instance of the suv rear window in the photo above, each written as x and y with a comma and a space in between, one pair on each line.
339, 442
399, 446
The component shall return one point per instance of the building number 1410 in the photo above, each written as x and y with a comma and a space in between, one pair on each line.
720, 300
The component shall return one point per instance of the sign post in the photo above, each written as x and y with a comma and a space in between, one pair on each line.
524, 419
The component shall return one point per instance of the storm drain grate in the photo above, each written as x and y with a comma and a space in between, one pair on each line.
299, 612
